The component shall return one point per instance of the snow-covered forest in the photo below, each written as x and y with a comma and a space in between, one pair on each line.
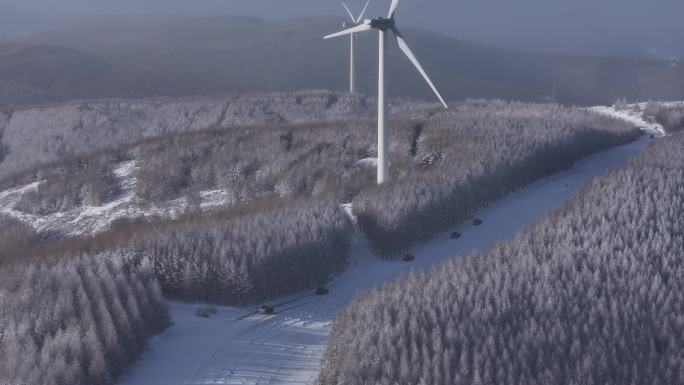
592, 294
468, 149
670, 117
77, 320
200, 193
15, 234
33, 136
259, 253
482, 151
277, 227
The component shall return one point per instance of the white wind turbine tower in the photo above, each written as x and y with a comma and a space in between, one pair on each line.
383, 25
352, 38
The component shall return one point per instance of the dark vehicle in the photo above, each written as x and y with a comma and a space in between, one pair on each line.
455, 235
409, 257
477, 222
265, 310
322, 291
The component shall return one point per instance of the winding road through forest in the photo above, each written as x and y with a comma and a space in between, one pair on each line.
238, 346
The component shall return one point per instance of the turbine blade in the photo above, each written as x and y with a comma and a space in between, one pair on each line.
349, 12
393, 9
407, 51
363, 13
358, 28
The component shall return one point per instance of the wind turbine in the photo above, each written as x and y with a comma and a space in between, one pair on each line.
353, 37
383, 25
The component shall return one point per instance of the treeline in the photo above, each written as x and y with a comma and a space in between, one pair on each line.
472, 155
33, 137
78, 320
671, 118
261, 252
472, 147
253, 252
592, 294
445, 165
76, 311
669, 115
281, 230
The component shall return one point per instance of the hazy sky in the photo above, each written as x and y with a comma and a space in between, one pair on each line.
596, 26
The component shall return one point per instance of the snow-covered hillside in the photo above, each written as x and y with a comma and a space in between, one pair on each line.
634, 113
34, 135
238, 346
89, 220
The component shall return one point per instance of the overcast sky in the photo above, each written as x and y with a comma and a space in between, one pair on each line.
578, 26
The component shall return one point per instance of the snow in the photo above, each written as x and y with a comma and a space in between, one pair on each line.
88, 220
238, 346
348, 209
7, 194
367, 162
634, 115
286, 348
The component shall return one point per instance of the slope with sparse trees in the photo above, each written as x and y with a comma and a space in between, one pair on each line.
33, 136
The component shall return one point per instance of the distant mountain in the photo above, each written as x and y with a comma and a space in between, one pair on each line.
179, 56
38, 73
15, 21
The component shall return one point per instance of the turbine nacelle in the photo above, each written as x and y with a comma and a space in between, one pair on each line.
388, 24
381, 23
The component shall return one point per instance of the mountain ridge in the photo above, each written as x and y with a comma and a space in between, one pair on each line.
138, 57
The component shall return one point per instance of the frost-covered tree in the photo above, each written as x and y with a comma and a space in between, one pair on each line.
592, 294
76, 320
446, 164
471, 155
256, 253
15, 234
34, 136
671, 118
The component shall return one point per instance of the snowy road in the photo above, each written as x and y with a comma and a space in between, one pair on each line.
286, 348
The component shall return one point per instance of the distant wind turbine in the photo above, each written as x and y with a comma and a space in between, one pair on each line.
382, 25
353, 37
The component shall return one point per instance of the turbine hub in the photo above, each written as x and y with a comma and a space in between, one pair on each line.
382, 23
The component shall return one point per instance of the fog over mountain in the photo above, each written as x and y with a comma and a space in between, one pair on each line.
181, 55
597, 27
